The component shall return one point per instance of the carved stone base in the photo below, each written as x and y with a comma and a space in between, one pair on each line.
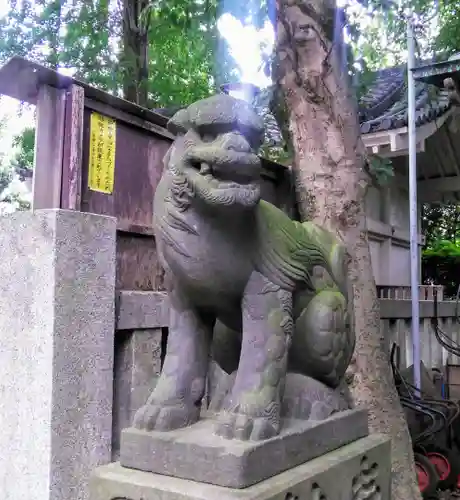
360, 470
196, 453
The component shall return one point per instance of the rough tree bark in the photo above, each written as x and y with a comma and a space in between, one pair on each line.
331, 182
135, 52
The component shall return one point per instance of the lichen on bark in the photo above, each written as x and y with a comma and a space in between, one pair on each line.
331, 182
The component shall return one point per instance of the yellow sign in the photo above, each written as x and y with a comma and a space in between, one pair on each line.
103, 131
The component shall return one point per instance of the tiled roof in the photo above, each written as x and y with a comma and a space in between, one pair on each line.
382, 107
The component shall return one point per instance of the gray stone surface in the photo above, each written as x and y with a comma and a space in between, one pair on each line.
137, 368
304, 397
360, 470
196, 453
57, 288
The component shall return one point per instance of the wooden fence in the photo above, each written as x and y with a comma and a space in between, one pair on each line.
426, 292
396, 318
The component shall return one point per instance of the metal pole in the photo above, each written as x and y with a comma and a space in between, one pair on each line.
414, 250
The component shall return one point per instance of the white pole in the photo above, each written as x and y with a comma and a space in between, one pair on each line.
414, 250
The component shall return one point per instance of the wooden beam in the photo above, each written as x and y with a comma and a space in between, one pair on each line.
438, 159
49, 133
398, 138
440, 185
432, 190
382, 231
73, 149
389, 153
121, 115
137, 310
427, 159
451, 149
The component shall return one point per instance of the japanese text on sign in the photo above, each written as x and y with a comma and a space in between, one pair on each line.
103, 132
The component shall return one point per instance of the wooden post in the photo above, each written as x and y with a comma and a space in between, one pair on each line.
73, 146
49, 135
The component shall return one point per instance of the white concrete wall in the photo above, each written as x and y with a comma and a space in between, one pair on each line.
399, 271
387, 211
375, 249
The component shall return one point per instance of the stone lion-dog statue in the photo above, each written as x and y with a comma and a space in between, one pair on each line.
235, 259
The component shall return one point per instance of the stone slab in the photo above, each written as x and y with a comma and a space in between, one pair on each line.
196, 453
361, 469
137, 368
57, 320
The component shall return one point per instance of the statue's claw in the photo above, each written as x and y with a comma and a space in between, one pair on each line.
245, 428
158, 417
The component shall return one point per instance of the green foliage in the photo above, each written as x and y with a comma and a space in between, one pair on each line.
381, 169
19, 168
378, 30
448, 39
23, 160
443, 248
186, 57
86, 43
6, 176
441, 255
440, 222
183, 48
440, 265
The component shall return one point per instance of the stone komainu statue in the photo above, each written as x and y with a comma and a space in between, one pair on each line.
241, 267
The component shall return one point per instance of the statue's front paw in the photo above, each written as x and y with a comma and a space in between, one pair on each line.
161, 417
247, 428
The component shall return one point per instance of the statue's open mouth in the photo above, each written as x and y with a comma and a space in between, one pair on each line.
219, 181
227, 167
224, 176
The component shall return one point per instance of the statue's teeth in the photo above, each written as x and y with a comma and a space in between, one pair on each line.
205, 169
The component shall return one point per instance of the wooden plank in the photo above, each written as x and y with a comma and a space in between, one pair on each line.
138, 229
137, 264
137, 310
73, 145
49, 134
138, 168
120, 115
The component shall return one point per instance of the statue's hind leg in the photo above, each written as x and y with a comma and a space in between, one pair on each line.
254, 407
323, 341
176, 400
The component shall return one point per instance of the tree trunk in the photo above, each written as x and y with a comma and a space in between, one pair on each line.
53, 24
331, 184
135, 52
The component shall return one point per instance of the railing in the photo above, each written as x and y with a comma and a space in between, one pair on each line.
396, 318
426, 292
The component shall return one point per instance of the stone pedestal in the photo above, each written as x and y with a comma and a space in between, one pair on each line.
360, 470
196, 453
57, 289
